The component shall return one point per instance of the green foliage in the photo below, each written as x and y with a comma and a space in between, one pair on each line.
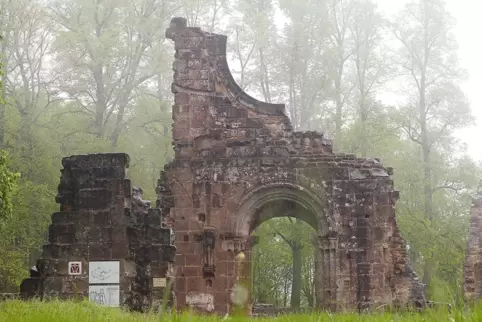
8, 182
147, 139
13, 311
22, 233
273, 261
11, 260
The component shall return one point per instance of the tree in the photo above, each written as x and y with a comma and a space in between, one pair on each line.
436, 106
105, 53
204, 13
370, 62
305, 60
285, 251
8, 185
340, 15
2, 75
25, 51
296, 245
253, 37
8, 181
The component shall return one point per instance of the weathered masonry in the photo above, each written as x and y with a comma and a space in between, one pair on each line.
238, 162
106, 243
473, 259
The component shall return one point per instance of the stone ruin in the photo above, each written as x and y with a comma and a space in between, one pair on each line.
238, 162
473, 256
103, 218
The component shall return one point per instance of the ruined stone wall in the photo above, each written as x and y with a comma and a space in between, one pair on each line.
99, 220
151, 244
237, 163
473, 256
236, 158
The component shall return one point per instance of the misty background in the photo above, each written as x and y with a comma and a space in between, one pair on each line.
391, 79
469, 51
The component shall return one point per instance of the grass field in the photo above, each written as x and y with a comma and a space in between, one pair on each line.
85, 311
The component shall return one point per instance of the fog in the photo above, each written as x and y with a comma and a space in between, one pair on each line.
388, 79
470, 50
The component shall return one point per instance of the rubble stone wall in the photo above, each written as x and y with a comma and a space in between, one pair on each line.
238, 162
473, 256
101, 220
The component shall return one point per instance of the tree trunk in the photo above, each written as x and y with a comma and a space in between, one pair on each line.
3, 72
3, 106
118, 129
427, 190
101, 97
292, 102
427, 170
296, 284
264, 77
311, 300
285, 295
363, 120
339, 106
100, 104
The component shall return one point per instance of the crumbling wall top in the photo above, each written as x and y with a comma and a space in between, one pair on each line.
99, 160
214, 117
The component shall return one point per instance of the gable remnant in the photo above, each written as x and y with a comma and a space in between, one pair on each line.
238, 162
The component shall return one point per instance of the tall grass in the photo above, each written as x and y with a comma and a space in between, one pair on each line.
35, 311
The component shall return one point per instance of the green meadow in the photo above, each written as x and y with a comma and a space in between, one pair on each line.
58, 311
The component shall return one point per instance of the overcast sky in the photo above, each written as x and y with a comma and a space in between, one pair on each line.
468, 33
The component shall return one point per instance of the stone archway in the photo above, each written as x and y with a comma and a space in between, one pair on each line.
290, 200
248, 214
232, 151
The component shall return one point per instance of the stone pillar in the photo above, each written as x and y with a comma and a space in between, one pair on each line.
318, 277
193, 85
363, 265
473, 257
188, 201
240, 282
326, 261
